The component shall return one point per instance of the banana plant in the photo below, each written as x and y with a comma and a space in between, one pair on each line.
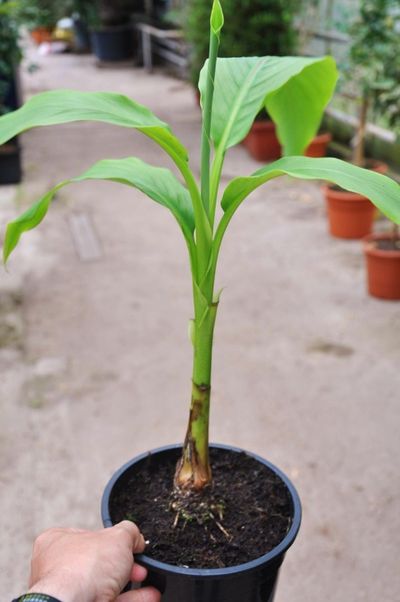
295, 91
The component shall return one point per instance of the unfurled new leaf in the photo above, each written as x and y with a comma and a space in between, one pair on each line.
243, 86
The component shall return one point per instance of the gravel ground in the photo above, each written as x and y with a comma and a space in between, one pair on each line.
95, 362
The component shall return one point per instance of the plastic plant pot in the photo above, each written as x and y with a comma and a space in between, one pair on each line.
318, 147
262, 141
113, 43
253, 581
350, 215
383, 268
10, 163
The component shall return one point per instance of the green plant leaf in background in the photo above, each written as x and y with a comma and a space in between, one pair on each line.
157, 183
298, 122
244, 85
65, 106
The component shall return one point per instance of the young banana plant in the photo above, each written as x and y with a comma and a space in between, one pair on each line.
294, 91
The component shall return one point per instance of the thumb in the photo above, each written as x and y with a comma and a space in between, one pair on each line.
144, 594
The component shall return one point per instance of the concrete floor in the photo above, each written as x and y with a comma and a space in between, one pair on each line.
95, 362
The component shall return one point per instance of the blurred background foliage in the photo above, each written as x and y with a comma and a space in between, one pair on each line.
363, 36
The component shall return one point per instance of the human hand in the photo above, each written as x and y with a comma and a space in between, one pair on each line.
90, 566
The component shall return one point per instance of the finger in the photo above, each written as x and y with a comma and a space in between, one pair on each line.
139, 573
137, 539
145, 594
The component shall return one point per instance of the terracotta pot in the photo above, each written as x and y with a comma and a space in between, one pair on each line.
378, 166
351, 215
40, 35
318, 147
383, 268
262, 141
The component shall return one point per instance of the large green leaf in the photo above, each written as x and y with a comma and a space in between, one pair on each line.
65, 106
297, 107
244, 85
381, 190
157, 183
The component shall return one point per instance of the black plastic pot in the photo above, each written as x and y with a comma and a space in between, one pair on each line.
113, 43
81, 36
253, 581
10, 163
10, 88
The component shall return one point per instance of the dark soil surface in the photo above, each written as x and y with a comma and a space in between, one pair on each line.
392, 244
245, 514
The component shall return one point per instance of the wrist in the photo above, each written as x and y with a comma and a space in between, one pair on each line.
57, 588
36, 597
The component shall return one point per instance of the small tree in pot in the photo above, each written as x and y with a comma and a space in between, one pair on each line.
374, 47
373, 56
382, 250
40, 17
233, 91
112, 35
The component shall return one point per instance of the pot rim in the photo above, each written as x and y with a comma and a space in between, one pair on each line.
263, 124
252, 565
322, 137
371, 249
111, 28
331, 193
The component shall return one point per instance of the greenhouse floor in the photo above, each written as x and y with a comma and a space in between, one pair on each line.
95, 362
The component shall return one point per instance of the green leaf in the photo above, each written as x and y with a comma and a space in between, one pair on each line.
381, 190
27, 221
244, 85
217, 18
65, 106
298, 120
157, 183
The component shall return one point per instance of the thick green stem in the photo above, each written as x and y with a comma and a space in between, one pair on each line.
193, 471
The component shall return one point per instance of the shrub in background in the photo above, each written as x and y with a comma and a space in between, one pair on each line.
374, 58
10, 55
252, 28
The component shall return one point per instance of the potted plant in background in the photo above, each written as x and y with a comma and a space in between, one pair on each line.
308, 21
374, 44
83, 13
111, 30
382, 254
10, 57
269, 30
40, 17
382, 249
206, 551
